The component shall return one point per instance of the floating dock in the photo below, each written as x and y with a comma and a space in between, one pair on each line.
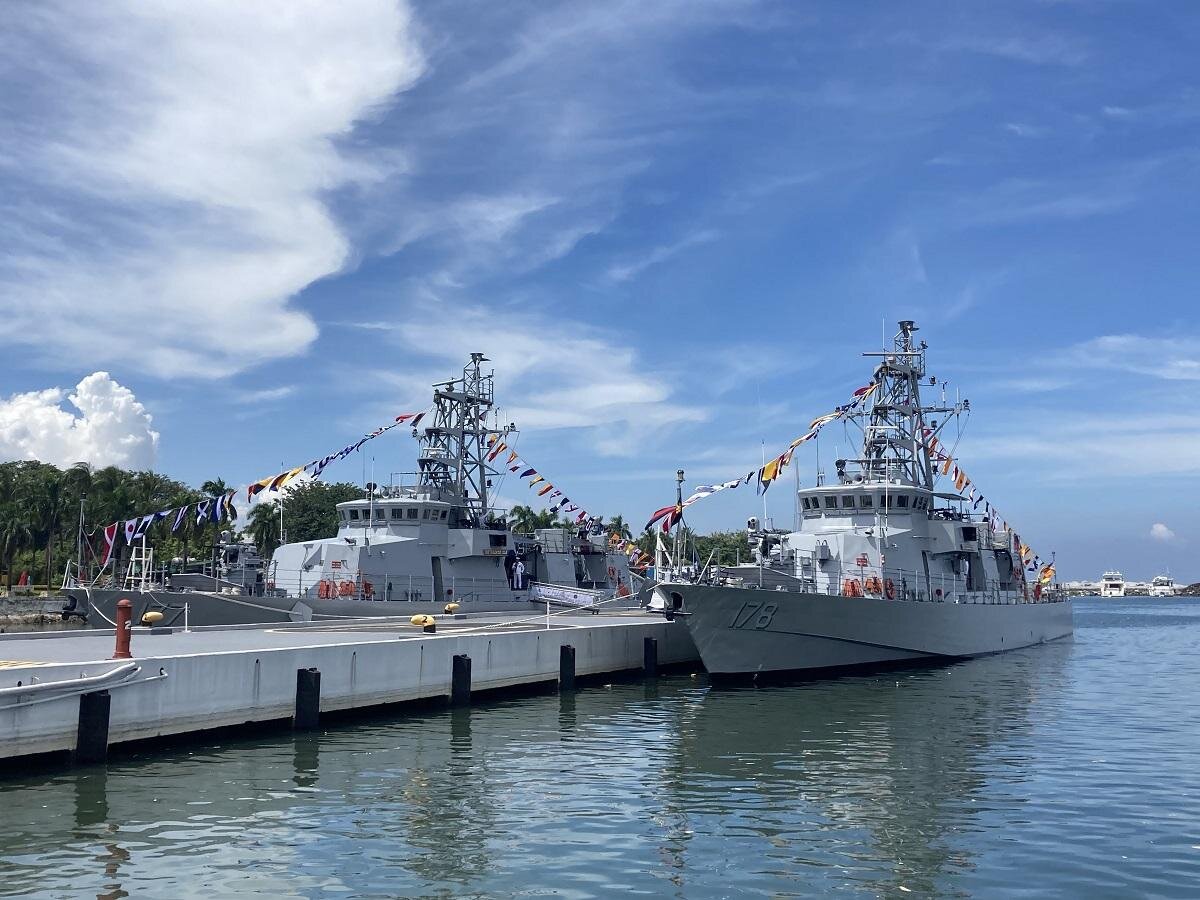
62, 692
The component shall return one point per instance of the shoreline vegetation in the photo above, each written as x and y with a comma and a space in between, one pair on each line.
40, 506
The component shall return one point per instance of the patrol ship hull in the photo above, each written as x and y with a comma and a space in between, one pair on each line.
740, 631
199, 608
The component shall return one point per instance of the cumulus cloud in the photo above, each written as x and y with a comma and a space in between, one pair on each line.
1161, 532
108, 426
166, 170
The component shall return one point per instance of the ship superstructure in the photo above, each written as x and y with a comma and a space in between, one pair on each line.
429, 539
886, 565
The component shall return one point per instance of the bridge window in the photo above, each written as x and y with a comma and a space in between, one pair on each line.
412, 513
443, 515
380, 513
424, 514
354, 513
831, 502
847, 501
397, 512
866, 501
902, 501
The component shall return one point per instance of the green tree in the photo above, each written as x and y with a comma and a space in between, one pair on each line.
310, 509
726, 547
263, 527
526, 519
618, 526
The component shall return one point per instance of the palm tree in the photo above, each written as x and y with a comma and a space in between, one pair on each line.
264, 527
15, 533
42, 500
618, 526
526, 519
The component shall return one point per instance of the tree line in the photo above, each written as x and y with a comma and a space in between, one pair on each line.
40, 507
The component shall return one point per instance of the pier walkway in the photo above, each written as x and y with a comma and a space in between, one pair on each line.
62, 691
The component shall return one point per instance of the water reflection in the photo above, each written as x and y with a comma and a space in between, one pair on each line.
892, 763
942, 781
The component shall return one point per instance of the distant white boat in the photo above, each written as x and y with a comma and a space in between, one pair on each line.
1112, 584
1162, 586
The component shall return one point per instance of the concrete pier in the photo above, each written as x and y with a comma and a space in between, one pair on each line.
179, 682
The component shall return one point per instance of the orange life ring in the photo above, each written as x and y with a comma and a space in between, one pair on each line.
889, 589
851, 588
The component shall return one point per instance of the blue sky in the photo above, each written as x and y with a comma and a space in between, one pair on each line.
673, 226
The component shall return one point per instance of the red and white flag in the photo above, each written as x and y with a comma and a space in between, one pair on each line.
110, 539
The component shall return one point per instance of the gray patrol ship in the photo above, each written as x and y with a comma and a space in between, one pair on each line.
885, 568
400, 551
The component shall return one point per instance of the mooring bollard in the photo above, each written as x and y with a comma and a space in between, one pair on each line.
124, 628
91, 737
308, 700
566, 668
460, 681
650, 657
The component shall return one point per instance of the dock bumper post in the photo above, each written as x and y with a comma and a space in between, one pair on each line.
566, 668
460, 680
308, 700
124, 629
91, 740
650, 657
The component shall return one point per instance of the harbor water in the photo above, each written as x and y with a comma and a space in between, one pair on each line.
1067, 770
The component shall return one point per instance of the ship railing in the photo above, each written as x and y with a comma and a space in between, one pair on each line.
316, 587
891, 583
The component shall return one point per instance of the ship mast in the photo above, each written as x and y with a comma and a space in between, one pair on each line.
453, 455
894, 434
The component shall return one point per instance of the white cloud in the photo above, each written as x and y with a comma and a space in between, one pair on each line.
550, 373
265, 395
633, 267
110, 426
180, 158
1161, 532
1172, 359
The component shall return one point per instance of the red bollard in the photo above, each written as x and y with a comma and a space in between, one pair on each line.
124, 629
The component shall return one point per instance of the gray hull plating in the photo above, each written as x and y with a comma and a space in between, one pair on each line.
740, 631
233, 609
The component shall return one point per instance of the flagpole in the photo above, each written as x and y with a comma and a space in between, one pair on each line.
676, 552
79, 542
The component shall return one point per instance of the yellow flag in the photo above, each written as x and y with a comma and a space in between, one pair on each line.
770, 471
